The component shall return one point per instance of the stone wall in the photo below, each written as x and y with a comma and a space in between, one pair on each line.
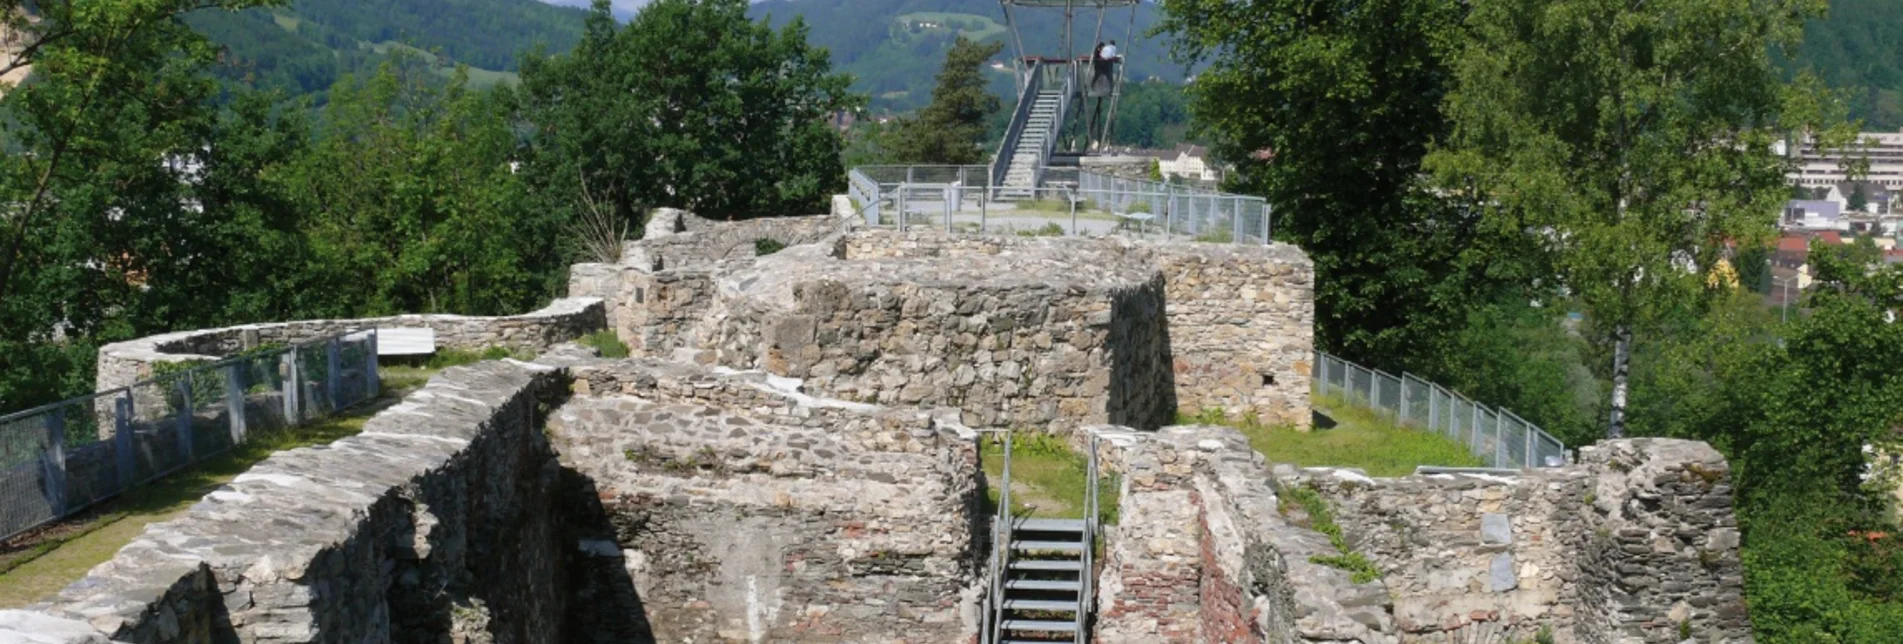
1006, 346
123, 363
1628, 545
1202, 553
435, 522
1242, 328
746, 511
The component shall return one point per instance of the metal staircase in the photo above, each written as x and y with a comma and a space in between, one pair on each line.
1041, 570
1027, 157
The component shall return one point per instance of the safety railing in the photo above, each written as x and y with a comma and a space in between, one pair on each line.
1499, 437
61, 458
956, 199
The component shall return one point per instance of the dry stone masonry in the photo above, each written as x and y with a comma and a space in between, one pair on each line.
792, 456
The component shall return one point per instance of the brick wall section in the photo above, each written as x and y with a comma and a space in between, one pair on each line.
1226, 611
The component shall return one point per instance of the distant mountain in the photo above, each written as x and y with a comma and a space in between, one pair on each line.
304, 47
1858, 48
894, 48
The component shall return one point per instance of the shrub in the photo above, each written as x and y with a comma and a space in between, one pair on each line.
607, 343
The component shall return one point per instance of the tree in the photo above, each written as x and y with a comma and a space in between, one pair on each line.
1327, 108
1634, 138
689, 105
410, 204
1858, 198
951, 131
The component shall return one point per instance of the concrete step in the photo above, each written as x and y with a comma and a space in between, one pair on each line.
1053, 546
1040, 604
1049, 525
1043, 584
1039, 625
1056, 565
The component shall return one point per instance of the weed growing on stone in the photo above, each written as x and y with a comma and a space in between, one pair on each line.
1049, 230
767, 246
1322, 519
447, 357
607, 343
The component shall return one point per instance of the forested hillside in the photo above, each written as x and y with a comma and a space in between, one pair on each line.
1858, 48
894, 47
305, 47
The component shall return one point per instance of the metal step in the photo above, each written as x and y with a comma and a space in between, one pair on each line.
1049, 525
1058, 565
1039, 625
1040, 604
1059, 546
1071, 585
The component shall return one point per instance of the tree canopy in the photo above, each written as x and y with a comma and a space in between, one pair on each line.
689, 105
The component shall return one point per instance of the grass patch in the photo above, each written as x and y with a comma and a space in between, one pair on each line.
1049, 230
39, 565
1361, 438
1322, 519
445, 358
1047, 476
607, 343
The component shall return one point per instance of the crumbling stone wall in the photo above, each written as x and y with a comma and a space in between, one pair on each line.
1242, 328
1203, 554
434, 522
744, 510
123, 363
1628, 545
1006, 346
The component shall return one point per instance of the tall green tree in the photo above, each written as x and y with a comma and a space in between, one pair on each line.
1634, 139
411, 204
689, 105
1327, 107
107, 231
951, 130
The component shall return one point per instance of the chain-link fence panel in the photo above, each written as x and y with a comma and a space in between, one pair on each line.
1360, 384
1387, 393
1497, 436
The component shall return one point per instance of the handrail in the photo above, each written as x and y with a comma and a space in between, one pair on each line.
1057, 126
1027, 97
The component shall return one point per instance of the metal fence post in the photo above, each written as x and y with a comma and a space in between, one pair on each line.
950, 194
333, 376
1475, 432
1374, 389
122, 439
56, 461
1267, 211
373, 385
1404, 404
1433, 415
1072, 197
293, 385
1235, 221
1530, 451
234, 399
185, 417
984, 209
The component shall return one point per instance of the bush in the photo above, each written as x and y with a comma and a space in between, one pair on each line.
206, 390
765, 246
607, 343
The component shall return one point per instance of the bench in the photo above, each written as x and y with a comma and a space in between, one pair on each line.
1142, 219
406, 341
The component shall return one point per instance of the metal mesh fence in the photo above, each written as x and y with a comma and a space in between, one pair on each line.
1497, 436
58, 459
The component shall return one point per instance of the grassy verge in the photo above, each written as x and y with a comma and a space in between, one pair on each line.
34, 568
1360, 438
1048, 479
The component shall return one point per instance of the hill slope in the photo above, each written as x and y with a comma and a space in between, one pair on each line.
305, 47
1859, 48
893, 48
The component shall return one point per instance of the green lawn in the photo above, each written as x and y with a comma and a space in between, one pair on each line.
1359, 438
977, 27
37, 571
1048, 479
